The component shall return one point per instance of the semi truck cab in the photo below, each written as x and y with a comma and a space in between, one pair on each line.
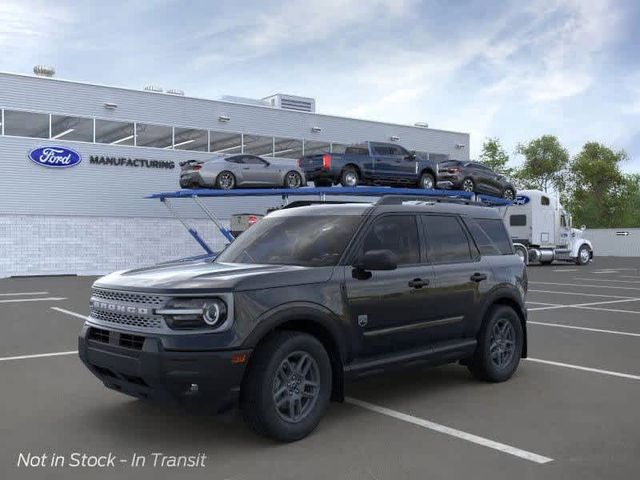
541, 230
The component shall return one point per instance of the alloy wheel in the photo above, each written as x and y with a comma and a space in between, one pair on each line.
293, 180
502, 343
296, 386
226, 181
351, 179
508, 194
467, 185
427, 182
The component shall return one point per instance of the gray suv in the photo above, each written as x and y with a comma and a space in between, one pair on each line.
307, 299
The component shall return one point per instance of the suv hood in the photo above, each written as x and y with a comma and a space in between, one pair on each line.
203, 276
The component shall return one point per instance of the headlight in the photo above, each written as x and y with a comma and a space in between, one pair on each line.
185, 314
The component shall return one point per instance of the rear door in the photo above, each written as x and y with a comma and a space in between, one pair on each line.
462, 276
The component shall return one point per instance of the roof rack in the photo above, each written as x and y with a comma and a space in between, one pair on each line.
388, 196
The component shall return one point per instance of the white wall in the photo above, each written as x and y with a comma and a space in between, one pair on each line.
607, 243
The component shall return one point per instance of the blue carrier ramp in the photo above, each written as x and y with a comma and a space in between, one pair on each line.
285, 193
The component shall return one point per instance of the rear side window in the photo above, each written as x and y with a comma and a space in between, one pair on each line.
490, 236
359, 150
544, 201
397, 233
518, 220
446, 240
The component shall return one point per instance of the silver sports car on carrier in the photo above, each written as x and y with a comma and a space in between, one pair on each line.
227, 172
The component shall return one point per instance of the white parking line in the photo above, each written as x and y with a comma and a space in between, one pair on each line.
588, 306
69, 312
485, 442
23, 300
39, 355
577, 293
565, 270
615, 310
22, 293
585, 369
606, 280
586, 329
584, 285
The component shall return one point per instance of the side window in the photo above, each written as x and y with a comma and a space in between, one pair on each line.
381, 150
494, 229
238, 159
398, 151
446, 240
251, 160
518, 220
397, 233
544, 201
563, 221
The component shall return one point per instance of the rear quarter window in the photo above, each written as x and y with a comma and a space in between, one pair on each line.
490, 236
518, 220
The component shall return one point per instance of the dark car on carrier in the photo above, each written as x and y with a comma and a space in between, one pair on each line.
308, 298
476, 177
371, 163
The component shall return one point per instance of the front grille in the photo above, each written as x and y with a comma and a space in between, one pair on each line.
128, 320
128, 297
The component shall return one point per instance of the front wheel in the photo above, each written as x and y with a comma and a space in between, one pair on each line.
427, 182
293, 180
584, 255
226, 180
499, 349
468, 185
287, 389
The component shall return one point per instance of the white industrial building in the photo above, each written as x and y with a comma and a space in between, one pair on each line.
92, 218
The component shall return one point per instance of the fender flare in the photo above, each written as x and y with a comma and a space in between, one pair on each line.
578, 244
524, 248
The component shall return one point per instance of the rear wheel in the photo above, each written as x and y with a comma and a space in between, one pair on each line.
584, 255
349, 177
468, 185
499, 347
508, 194
288, 386
293, 180
427, 182
226, 180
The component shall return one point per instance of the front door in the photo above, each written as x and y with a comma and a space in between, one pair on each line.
390, 310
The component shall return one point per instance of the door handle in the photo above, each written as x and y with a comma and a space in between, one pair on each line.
478, 277
418, 283
247, 168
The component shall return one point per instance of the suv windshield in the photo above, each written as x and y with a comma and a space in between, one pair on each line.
309, 241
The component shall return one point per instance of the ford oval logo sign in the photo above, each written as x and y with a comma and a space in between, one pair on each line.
55, 157
521, 200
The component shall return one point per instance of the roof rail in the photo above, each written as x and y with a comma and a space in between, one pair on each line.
399, 199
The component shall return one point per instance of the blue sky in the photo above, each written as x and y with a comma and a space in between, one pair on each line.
515, 70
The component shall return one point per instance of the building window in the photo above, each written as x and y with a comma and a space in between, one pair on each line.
114, 133
225, 142
157, 136
71, 128
258, 145
26, 124
314, 148
287, 148
190, 139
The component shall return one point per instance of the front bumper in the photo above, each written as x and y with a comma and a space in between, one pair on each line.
139, 366
444, 185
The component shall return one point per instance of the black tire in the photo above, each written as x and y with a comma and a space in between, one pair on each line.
427, 181
546, 262
484, 365
226, 180
349, 177
323, 182
292, 179
584, 255
468, 185
509, 194
257, 399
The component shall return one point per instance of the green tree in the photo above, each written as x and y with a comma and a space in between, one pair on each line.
600, 195
545, 163
495, 157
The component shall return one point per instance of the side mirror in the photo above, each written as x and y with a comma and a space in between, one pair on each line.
377, 260
583, 228
411, 156
266, 164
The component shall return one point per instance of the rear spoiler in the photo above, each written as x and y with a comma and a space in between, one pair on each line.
189, 162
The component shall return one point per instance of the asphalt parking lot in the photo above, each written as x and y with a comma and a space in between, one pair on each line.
571, 411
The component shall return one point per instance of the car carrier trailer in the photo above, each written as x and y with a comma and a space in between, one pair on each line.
411, 194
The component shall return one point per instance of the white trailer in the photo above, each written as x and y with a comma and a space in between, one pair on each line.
541, 230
